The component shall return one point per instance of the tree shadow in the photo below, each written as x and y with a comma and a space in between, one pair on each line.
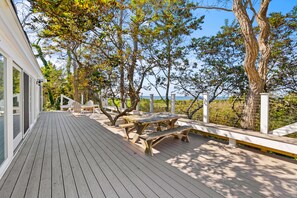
233, 172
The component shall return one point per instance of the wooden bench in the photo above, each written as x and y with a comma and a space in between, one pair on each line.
128, 128
152, 139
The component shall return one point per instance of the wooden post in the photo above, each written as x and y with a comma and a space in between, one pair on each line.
151, 103
173, 103
264, 113
232, 143
205, 108
82, 99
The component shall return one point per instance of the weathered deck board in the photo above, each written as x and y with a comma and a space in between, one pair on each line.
67, 156
10, 178
145, 160
140, 177
34, 180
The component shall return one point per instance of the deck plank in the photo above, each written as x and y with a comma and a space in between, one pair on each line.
104, 175
57, 175
12, 174
70, 188
147, 165
24, 178
34, 180
46, 171
79, 178
120, 172
85, 167
69, 156
136, 175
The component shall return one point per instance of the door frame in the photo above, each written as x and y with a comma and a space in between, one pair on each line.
29, 106
17, 140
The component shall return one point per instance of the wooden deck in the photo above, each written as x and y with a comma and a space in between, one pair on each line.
67, 156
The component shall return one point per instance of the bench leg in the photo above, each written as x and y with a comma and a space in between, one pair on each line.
148, 146
127, 133
185, 136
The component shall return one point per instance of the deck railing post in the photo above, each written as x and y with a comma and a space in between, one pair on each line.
151, 103
205, 108
264, 113
173, 103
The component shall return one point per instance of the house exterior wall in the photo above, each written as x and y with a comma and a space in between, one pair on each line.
16, 49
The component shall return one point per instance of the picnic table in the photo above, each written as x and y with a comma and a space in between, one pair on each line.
141, 122
161, 120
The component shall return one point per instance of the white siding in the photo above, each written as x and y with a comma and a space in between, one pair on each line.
16, 48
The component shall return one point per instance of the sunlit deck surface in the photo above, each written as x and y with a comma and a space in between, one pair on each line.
68, 156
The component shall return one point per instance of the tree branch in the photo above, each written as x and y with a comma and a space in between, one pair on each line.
213, 8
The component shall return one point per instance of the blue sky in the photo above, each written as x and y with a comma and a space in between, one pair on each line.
215, 19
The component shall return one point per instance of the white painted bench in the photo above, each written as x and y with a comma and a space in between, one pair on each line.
152, 139
266, 142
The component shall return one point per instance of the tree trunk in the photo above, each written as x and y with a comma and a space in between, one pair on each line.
75, 81
168, 76
251, 108
120, 54
131, 69
253, 46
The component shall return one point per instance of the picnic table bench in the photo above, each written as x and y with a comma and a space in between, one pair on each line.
152, 139
128, 127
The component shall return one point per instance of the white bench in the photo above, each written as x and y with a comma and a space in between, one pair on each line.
266, 142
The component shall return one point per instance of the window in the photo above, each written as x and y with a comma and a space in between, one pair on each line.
2, 109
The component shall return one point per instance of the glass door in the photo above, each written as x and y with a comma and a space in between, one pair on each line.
31, 97
2, 110
26, 103
17, 106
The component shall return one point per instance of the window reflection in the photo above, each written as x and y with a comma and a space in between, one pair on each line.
16, 102
2, 110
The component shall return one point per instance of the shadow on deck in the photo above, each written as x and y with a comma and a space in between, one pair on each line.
77, 157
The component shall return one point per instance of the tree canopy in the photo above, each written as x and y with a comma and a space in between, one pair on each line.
111, 48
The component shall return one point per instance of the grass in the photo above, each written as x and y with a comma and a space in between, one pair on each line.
283, 111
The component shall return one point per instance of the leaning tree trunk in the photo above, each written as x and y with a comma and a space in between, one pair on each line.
169, 59
75, 81
120, 54
253, 46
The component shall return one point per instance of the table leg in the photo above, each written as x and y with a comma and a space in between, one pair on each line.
171, 123
139, 130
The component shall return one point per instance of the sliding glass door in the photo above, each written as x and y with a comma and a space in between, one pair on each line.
26, 104
2, 110
17, 106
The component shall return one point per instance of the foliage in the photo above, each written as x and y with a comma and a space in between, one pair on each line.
173, 22
54, 87
283, 61
219, 70
109, 47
